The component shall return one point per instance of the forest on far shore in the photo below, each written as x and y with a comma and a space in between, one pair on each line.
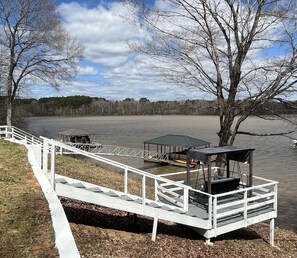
96, 106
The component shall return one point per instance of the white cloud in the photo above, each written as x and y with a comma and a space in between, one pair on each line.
103, 32
110, 68
87, 70
115, 74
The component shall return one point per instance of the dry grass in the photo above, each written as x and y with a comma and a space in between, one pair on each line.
25, 222
83, 169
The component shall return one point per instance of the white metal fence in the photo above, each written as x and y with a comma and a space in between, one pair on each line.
112, 150
15, 133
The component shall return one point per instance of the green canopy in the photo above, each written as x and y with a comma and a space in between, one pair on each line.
178, 141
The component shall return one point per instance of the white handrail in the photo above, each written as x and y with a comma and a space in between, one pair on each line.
266, 191
18, 134
55, 144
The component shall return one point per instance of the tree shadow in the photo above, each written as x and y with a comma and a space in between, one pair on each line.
97, 216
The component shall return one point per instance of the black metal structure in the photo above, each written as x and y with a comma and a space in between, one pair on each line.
204, 155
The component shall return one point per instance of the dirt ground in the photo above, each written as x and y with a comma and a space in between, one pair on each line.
104, 232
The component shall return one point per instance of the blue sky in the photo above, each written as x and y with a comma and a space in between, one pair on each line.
109, 69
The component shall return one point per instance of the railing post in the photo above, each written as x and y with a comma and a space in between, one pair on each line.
143, 191
209, 212
126, 181
245, 197
53, 165
271, 232
215, 213
275, 199
6, 132
12, 133
45, 156
186, 199
155, 224
156, 190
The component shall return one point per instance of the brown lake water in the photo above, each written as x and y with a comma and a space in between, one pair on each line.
274, 157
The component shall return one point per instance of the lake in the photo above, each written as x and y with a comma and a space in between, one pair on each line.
274, 157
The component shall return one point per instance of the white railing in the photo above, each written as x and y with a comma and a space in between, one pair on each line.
262, 194
112, 150
178, 194
14, 133
160, 194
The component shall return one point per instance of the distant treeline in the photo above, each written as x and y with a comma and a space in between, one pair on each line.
94, 106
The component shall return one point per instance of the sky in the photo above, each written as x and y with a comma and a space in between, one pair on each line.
109, 68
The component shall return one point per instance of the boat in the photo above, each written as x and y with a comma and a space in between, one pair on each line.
294, 144
184, 162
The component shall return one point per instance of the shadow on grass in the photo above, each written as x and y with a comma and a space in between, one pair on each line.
97, 216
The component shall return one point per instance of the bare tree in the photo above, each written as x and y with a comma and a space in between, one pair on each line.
241, 52
37, 47
3, 70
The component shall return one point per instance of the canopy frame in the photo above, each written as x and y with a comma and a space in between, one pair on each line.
232, 153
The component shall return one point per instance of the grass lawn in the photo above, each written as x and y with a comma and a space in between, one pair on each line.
25, 222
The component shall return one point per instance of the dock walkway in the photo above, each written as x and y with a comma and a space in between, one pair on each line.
112, 150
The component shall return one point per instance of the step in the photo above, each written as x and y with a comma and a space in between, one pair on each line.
165, 207
61, 180
111, 194
95, 189
126, 198
77, 185
155, 205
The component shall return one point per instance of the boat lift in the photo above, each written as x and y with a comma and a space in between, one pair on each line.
215, 182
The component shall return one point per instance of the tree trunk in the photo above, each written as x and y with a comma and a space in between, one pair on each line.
8, 111
225, 134
9, 98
